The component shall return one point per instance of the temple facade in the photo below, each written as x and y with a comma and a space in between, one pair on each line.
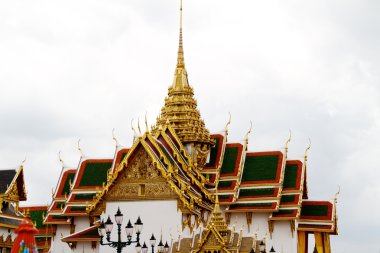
194, 190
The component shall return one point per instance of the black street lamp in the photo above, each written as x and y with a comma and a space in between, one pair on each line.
161, 248
262, 247
105, 229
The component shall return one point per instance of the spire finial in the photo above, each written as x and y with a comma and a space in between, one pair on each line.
180, 58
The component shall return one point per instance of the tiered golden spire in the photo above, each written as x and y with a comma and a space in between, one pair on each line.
180, 109
217, 220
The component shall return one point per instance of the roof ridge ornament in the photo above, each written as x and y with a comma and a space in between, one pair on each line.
79, 149
60, 159
247, 134
288, 141
146, 123
117, 144
228, 123
307, 151
135, 134
23, 163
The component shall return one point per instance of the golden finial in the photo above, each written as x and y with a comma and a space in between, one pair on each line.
52, 192
307, 150
23, 162
180, 59
133, 129
287, 142
146, 123
60, 159
336, 195
228, 123
138, 125
247, 134
70, 183
80, 150
114, 138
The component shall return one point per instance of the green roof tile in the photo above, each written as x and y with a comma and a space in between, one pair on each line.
225, 184
214, 153
95, 174
66, 187
314, 210
36, 217
260, 168
84, 196
291, 172
256, 192
229, 160
288, 198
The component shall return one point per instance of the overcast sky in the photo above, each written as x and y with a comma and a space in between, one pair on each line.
76, 69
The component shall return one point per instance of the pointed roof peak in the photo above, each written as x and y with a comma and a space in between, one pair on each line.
180, 56
180, 81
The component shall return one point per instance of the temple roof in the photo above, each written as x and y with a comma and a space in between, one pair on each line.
12, 185
6, 178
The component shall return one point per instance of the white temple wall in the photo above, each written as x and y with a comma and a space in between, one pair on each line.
5, 233
259, 222
81, 223
57, 246
86, 248
282, 239
157, 216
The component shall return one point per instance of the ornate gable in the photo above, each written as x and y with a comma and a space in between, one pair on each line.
140, 180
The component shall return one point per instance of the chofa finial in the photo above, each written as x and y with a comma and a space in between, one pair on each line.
79, 149
23, 162
228, 123
288, 140
247, 134
307, 150
60, 159
117, 144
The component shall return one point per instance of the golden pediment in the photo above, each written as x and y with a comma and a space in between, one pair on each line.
140, 180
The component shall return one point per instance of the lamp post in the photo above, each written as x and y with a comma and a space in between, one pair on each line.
262, 247
161, 248
105, 229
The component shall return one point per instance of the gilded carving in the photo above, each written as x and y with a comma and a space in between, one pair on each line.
140, 172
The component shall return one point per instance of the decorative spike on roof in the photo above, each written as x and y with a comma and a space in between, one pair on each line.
180, 109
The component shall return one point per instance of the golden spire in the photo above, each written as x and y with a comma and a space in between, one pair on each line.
180, 57
180, 109
217, 220
180, 75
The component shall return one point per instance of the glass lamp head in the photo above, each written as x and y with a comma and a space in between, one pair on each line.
109, 225
138, 225
138, 248
152, 240
102, 229
160, 247
144, 248
166, 248
129, 228
118, 217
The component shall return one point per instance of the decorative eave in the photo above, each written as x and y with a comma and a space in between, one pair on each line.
183, 158
184, 191
86, 235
